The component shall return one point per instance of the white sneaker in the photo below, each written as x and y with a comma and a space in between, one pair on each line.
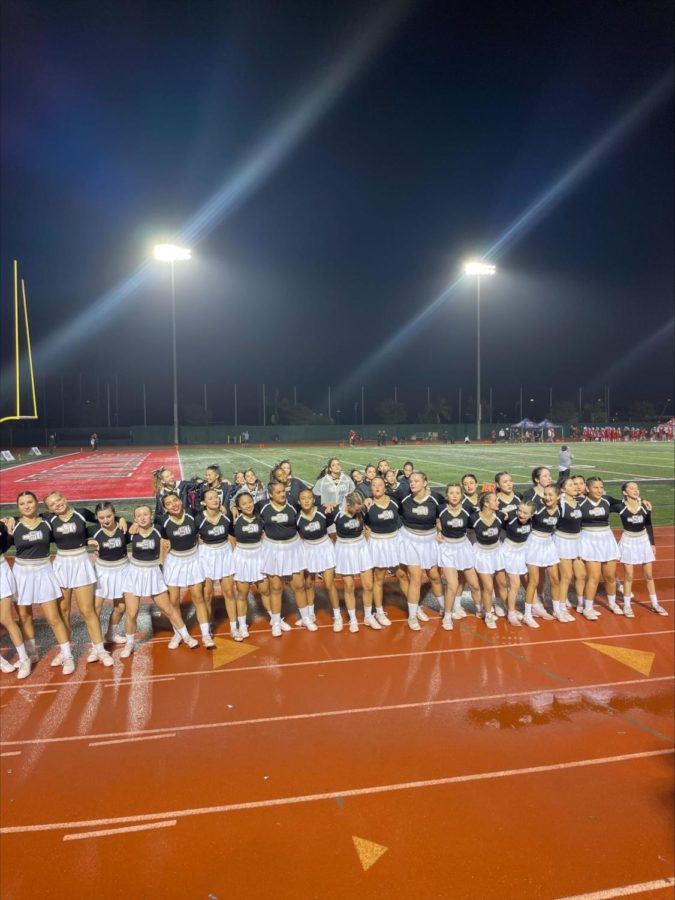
657, 608
530, 622
414, 625
285, 626
5, 666
541, 612
568, 605
353, 627
309, 625
447, 622
458, 612
616, 609
191, 643
480, 611
175, 641
562, 616
93, 656
24, 669
127, 650
421, 615
514, 619
580, 608
57, 661
628, 611
208, 641
490, 620
382, 618
568, 616
105, 658
338, 624
114, 639
499, 611
68, 665
590, 614
372, 622
277, 630
243, 631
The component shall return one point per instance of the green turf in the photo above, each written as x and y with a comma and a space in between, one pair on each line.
650, 463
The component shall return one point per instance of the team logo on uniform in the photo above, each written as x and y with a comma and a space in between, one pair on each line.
67, 528
491, 532
31, 536
421, 510
313, 526
456, 523
253, 528
636, 519
146, 544
216, 530
351, 523
112, 543
182, 531
279, 518
386, 515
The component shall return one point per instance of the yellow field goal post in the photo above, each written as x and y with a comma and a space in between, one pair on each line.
17, 416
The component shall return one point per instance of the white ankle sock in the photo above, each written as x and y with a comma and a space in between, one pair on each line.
65, 649
21, 650
367, 611
412, 610
183, 632
205, 629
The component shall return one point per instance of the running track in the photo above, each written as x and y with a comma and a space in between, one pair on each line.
469, 764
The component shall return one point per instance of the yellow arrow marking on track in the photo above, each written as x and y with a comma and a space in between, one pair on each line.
368, 852
639, 660
228, 651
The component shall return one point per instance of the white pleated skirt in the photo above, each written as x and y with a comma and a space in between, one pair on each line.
183, 571
568, 546
74, 571
352, 557
7, 580
248, 563
419, 549
598, 546
319, 555
110, 578
541, 551
487, 562
216, 562
283, 558
636, 550
385, 551
514, 558
35, 583
144, 581
457, 555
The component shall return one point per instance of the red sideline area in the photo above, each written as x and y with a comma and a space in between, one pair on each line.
84, 476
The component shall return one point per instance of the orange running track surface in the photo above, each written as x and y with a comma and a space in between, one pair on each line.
510, 764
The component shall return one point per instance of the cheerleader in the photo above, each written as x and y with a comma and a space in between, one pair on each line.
36, 581
144, 579
164, 482
383, 467
312, 524
567, 539
352, 557
365, 487
541, 479
392, 486
403, 476
293, 485
580, 483
599, 549
419, 551
111, 566
252, 485
384, 541
508, 500
7, 597
541, 555
489, 563
182, 567
214, 527
282, 553
72, 567
455, 553
470, 488
215, 482
247, 534
517, 528
636, 546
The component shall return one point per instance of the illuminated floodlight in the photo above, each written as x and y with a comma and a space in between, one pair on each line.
171, 253
475, 267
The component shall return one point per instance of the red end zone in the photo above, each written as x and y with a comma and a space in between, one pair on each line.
106, 474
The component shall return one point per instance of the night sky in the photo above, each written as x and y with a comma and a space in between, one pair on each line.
356, 154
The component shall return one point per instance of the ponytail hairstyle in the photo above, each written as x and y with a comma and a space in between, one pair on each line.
355, 500
103, 506
157, 479
483, 499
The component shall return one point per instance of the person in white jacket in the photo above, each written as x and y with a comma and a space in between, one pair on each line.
334, 486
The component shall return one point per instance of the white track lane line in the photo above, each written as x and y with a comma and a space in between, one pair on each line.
107, 832
131, 740
35, 462
380, 657
331, 795
625, 890
171, 731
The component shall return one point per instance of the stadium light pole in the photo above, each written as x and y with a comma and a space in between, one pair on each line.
172, 254
478, 268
